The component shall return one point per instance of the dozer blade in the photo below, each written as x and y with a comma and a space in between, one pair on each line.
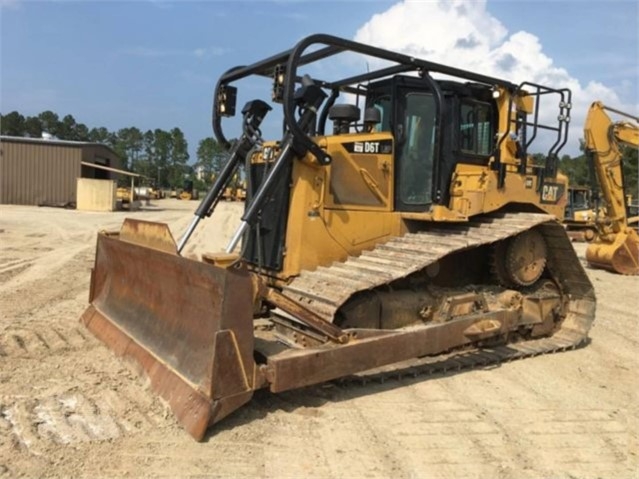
187, 324
621, 256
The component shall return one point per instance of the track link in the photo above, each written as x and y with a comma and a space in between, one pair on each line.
326, 289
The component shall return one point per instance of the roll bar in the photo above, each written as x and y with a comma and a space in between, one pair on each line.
289, 61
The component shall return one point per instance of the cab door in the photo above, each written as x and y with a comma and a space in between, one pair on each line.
415, 154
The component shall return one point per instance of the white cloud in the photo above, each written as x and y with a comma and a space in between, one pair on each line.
464, 34
434, 28
209, 52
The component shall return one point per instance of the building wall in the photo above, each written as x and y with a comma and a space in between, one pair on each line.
96, 195
103, 156
35, 174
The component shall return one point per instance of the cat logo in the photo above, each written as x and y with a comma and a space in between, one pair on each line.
552, 192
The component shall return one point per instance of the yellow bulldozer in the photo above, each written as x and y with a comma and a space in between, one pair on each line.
616, 246
188, 192
236, 190
240, 191
420, 231
580, 214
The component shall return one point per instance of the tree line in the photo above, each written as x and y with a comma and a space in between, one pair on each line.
161, 156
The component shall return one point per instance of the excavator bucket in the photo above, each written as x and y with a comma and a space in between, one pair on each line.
620, 256
187, 324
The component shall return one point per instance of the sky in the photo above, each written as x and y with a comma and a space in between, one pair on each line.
154, 63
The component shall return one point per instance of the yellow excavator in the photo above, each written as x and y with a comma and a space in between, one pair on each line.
420, 231
616, 247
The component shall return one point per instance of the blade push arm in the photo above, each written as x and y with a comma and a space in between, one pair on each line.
254, 112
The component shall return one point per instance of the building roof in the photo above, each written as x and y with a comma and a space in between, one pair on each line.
115, 170
52, 141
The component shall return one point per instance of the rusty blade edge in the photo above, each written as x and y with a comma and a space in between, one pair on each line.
192, 409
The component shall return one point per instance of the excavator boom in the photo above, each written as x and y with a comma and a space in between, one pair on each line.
616, 247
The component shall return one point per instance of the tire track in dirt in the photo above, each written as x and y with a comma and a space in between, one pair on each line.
545, 438
77, 390
624, 329
421, 416
88, 405
39, 291
69, 399
326, 429
73, 416
68, 419
274, 422
11, 267
41, 340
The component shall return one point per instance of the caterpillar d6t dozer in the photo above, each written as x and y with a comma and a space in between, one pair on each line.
419, 233
616, 247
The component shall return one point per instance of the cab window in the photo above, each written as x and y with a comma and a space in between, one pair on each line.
383, 104
475, 129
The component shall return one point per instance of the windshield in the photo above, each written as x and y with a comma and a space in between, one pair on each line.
580, 199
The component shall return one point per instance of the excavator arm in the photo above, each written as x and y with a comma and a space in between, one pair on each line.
617, 245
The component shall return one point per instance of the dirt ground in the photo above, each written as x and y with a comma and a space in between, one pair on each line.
70, 408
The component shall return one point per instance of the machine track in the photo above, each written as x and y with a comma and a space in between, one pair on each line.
326, 289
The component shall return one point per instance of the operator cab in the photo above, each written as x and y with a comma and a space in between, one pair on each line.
431, 137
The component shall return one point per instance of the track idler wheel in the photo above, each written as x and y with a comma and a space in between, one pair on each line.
520, 260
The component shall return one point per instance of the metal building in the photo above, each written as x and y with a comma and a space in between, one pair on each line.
36, 171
